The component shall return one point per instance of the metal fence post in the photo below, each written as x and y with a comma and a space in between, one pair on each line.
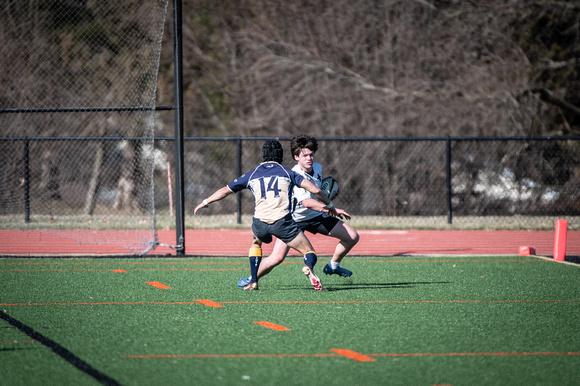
26, 180
239, 195
178, 96
448, 176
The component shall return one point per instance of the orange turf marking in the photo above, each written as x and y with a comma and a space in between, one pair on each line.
185, 262
353, 355
344, 353
119, 270
275, 327
163, 356
208, 303
156, 284
410, 260
214, 304
54, 270
455, 261
97, 304
408, 301
473, 354
190, 269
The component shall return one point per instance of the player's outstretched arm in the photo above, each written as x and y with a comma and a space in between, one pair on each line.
216, 196
318, 206
318, 193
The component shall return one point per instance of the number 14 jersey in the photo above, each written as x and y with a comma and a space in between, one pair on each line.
271, 185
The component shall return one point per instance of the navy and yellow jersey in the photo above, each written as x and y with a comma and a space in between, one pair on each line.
302, 213
271, 184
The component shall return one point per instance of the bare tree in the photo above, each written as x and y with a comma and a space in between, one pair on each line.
375, 68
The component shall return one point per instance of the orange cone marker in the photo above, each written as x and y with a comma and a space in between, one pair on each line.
560, 240
527, 251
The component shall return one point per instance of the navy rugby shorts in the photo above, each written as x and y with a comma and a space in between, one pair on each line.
322, 224
285, 229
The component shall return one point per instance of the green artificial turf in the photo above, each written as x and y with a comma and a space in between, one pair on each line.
505, 320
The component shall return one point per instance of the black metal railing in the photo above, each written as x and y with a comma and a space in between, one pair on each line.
437, 176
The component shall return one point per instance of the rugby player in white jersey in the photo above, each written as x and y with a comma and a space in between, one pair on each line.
312, 215
271, 184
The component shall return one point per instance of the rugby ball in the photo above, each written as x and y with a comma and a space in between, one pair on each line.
329, 186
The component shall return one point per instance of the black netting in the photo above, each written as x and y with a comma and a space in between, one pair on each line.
77, 116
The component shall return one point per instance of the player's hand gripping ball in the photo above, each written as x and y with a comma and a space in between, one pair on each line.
330, 186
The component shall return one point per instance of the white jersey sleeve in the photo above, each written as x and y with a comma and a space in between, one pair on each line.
300, 212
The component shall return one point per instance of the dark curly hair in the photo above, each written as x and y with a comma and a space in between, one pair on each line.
272, 151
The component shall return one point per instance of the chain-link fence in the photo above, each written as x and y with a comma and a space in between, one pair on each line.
513, 183
73, 71
77, 120
469, 183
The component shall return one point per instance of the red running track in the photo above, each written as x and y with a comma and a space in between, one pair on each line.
226, 242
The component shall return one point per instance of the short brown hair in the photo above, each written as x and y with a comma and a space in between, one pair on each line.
303, 142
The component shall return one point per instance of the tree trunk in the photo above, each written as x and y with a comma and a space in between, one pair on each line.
49, 176
91, 200
130, 177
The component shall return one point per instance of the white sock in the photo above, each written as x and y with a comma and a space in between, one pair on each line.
334, 265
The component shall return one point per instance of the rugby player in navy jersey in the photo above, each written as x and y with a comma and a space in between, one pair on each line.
271, 184
311, 215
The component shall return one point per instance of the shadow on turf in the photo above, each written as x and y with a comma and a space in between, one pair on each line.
59, 350
366, 286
